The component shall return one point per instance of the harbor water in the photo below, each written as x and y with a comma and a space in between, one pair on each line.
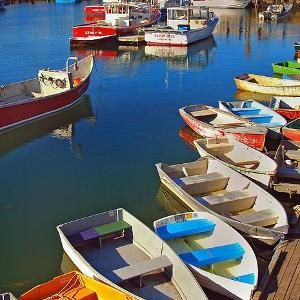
100, 154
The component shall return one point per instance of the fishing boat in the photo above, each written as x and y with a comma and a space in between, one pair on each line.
118, 249
120, 19
291, 131
257, 113
211, 186
50, 92
208, 121
240, 157
222, 3
267, 85
287, 179
219, 257
185, 25
289, 67
276, 11
7, 296
75, 286
297, 46
288, 107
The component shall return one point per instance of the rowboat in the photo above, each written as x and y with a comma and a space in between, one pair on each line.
289, 67
185, 25
118, 249
211, 186
120, 19
49, 93
208, 121
287, 179
297, 46
219, 257
288, 107
75, 286
257, 113
222, 3
276, 11
267, 85
7, 296
291, 131
240, 157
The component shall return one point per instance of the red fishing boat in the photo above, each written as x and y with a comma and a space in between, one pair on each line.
208, 121
120, 19
50, 92
288, 107
291, 131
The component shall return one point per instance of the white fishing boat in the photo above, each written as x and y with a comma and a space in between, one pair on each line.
222, 3
276, 11
240, 157
219, 257
118, 249
257, 113
185, 25
211, 186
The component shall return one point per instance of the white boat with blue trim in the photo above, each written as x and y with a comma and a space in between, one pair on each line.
219, 257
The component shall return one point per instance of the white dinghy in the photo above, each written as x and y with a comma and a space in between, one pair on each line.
118, 249
211, 186
218, 255
240, 157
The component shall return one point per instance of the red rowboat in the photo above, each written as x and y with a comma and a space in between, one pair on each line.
288, 107
50, 92
120, 19
291, 131
208, 121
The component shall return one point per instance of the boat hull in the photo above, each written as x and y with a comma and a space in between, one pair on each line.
167, 37
287, 67
222, 4
297, 46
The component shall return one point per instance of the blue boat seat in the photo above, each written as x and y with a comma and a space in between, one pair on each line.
205, 257
257, 116
246, 110
185, 228
247, 278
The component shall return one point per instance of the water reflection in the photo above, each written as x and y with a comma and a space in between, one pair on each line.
245, 95
67, 265
198, 55
60, 125
189, 136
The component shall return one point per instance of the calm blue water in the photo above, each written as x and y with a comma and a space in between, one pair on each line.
129, 122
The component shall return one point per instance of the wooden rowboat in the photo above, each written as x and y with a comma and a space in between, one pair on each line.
267, 85
287, 67
240, 157
211, 186
118, 249
287, 179
257, 113
288, 107
291, 131
50, 92
75, 286
208, 121
219, 257
7, 296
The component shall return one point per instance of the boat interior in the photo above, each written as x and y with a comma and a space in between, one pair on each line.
231, 195
285, 102
126, 262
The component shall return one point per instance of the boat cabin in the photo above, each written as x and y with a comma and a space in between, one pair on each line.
185, 18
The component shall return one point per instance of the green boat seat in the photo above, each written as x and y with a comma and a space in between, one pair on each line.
205, 257
185, 228
247, 278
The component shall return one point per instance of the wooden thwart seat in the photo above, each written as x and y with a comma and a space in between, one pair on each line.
98, 232
203, 113
266, 217
233, 124
247, 163
293, 154
142, 268
233, 201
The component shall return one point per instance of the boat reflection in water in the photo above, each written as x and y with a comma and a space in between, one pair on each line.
59, 125
188, 135
197, 55
67, 265
245, 95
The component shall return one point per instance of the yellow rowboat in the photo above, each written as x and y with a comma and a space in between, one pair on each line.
75, 286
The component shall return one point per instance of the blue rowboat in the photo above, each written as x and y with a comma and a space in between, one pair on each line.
256, 113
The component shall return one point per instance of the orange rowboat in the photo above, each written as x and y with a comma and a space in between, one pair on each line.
75, 286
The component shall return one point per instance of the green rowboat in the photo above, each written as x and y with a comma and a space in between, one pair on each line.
287, 67
297, 46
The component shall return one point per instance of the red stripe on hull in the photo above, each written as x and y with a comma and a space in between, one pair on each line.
254, 140
93, 31
291, 134
19, 113
290, 114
